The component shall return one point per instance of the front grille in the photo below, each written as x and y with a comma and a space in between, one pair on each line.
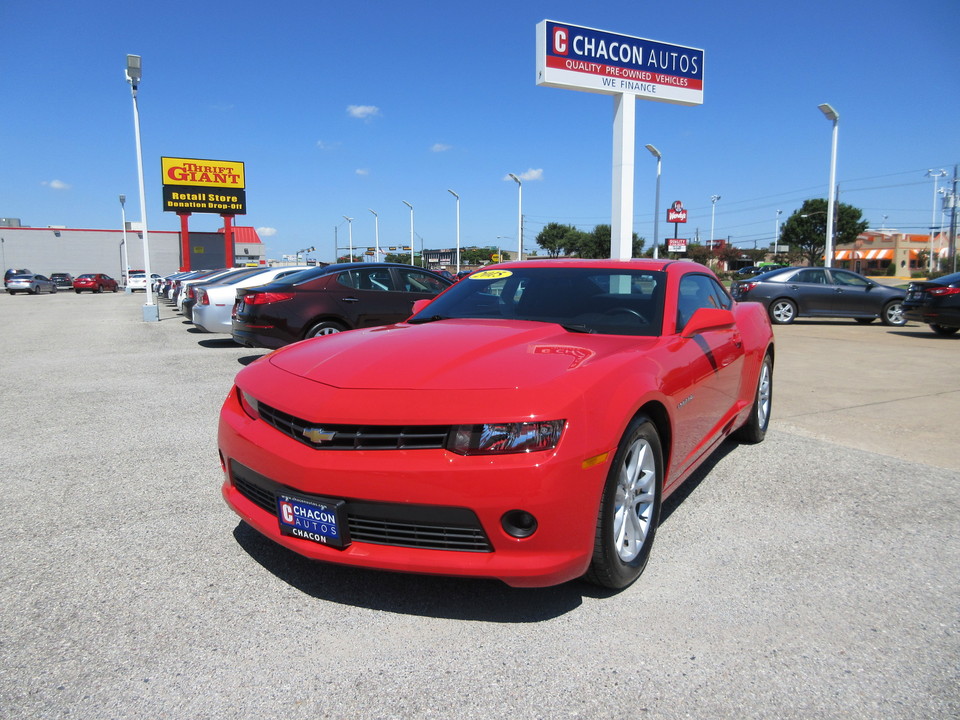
356, 437
426, 527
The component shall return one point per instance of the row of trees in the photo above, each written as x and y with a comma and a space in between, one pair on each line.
804, 232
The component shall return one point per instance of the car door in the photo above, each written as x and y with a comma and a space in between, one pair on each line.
366, 297
853, 294
813, 292
708, 368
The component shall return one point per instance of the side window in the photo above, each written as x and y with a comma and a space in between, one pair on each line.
811, 275
697, 291
420, 282
844, 278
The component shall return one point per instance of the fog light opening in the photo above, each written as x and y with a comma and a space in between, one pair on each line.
519, 524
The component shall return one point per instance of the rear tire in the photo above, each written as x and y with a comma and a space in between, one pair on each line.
783, 311
944, 330
629, 508
755, 429
892, 314
325, 327
864, 321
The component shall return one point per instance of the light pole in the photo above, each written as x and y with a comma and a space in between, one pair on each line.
936, 175
376, 227
776, 232
151, 312
519, 216
458, 228
350, 234
656, 204
123, 244
713, 215
833, 116
411, 229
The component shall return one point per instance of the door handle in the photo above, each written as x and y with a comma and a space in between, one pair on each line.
351, 299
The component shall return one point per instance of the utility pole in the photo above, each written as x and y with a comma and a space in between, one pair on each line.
952, 257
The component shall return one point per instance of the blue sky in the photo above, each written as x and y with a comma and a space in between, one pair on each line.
340, 107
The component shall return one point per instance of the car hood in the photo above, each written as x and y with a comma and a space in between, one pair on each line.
453, 355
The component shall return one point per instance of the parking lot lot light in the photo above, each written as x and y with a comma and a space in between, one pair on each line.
151, 312
834, 117
656, 204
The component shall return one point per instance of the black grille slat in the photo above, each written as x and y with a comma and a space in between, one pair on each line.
358, 437
413, 526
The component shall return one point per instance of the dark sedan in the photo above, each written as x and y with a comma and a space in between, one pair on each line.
935, 302
327, 300
789, 293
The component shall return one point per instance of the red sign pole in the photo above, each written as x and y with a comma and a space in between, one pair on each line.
184, 242
228, 240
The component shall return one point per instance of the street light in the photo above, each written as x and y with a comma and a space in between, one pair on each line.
411, 229
151, 312
833, 116
656, 204
519, 216
458, 228
776, 232
713, 215
376, 226
936, 175
123, 244
350, 234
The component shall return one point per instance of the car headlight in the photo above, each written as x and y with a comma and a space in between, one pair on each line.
503, 438
249, 404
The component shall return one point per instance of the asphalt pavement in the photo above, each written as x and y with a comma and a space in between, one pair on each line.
812, 576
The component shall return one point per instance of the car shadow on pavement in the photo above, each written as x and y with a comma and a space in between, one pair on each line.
441, 596
220, 342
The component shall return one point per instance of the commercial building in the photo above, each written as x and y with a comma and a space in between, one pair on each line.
874, 251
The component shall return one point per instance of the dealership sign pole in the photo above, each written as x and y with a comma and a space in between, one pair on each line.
581, 58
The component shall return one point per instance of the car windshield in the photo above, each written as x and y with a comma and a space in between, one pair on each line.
591, 300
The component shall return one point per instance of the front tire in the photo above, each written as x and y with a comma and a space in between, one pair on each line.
629, 508
783, 311
892, 314
755, 429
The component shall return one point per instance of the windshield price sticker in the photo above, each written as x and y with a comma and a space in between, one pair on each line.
489, 275
316, 521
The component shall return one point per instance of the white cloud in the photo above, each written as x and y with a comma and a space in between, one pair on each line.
362, 112
266, 231
362, 171
531, 174
56, 185
323, 145
440, 147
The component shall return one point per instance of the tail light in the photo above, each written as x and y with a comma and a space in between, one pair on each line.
941, 291
202, 298
265, 298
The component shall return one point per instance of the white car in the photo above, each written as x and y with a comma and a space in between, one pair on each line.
214, 306
137, 281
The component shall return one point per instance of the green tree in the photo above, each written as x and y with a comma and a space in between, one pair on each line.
556, 239
806, 230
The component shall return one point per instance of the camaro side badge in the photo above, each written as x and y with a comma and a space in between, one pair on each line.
680, 405
318, 435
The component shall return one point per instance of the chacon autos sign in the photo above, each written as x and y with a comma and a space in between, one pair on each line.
203, 186
581, 58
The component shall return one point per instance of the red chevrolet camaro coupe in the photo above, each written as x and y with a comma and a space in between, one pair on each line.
524, 425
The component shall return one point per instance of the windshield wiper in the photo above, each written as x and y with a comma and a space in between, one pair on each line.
432, 318
578, 328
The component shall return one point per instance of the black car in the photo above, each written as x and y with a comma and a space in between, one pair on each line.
935, 302
322, 301
789, 293
62, 280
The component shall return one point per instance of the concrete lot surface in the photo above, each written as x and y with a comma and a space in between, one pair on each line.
812, 576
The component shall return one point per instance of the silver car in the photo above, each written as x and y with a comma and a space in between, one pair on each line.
214, 302
31, 283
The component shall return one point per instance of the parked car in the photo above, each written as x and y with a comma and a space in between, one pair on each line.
30, 283
935, 302
214, 302
95, 283
12, 271
327, 300
137, 281
189, 298
756, 270
62, 280
789, 293
587, 392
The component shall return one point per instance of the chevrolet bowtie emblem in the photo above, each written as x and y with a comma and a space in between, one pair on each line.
318, 435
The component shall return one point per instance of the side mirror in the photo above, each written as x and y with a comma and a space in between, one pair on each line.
707, 319
419, 305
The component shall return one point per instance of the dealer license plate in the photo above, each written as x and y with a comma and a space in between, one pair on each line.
319, 521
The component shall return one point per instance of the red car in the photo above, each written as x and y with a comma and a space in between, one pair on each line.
587, 392
95, 282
